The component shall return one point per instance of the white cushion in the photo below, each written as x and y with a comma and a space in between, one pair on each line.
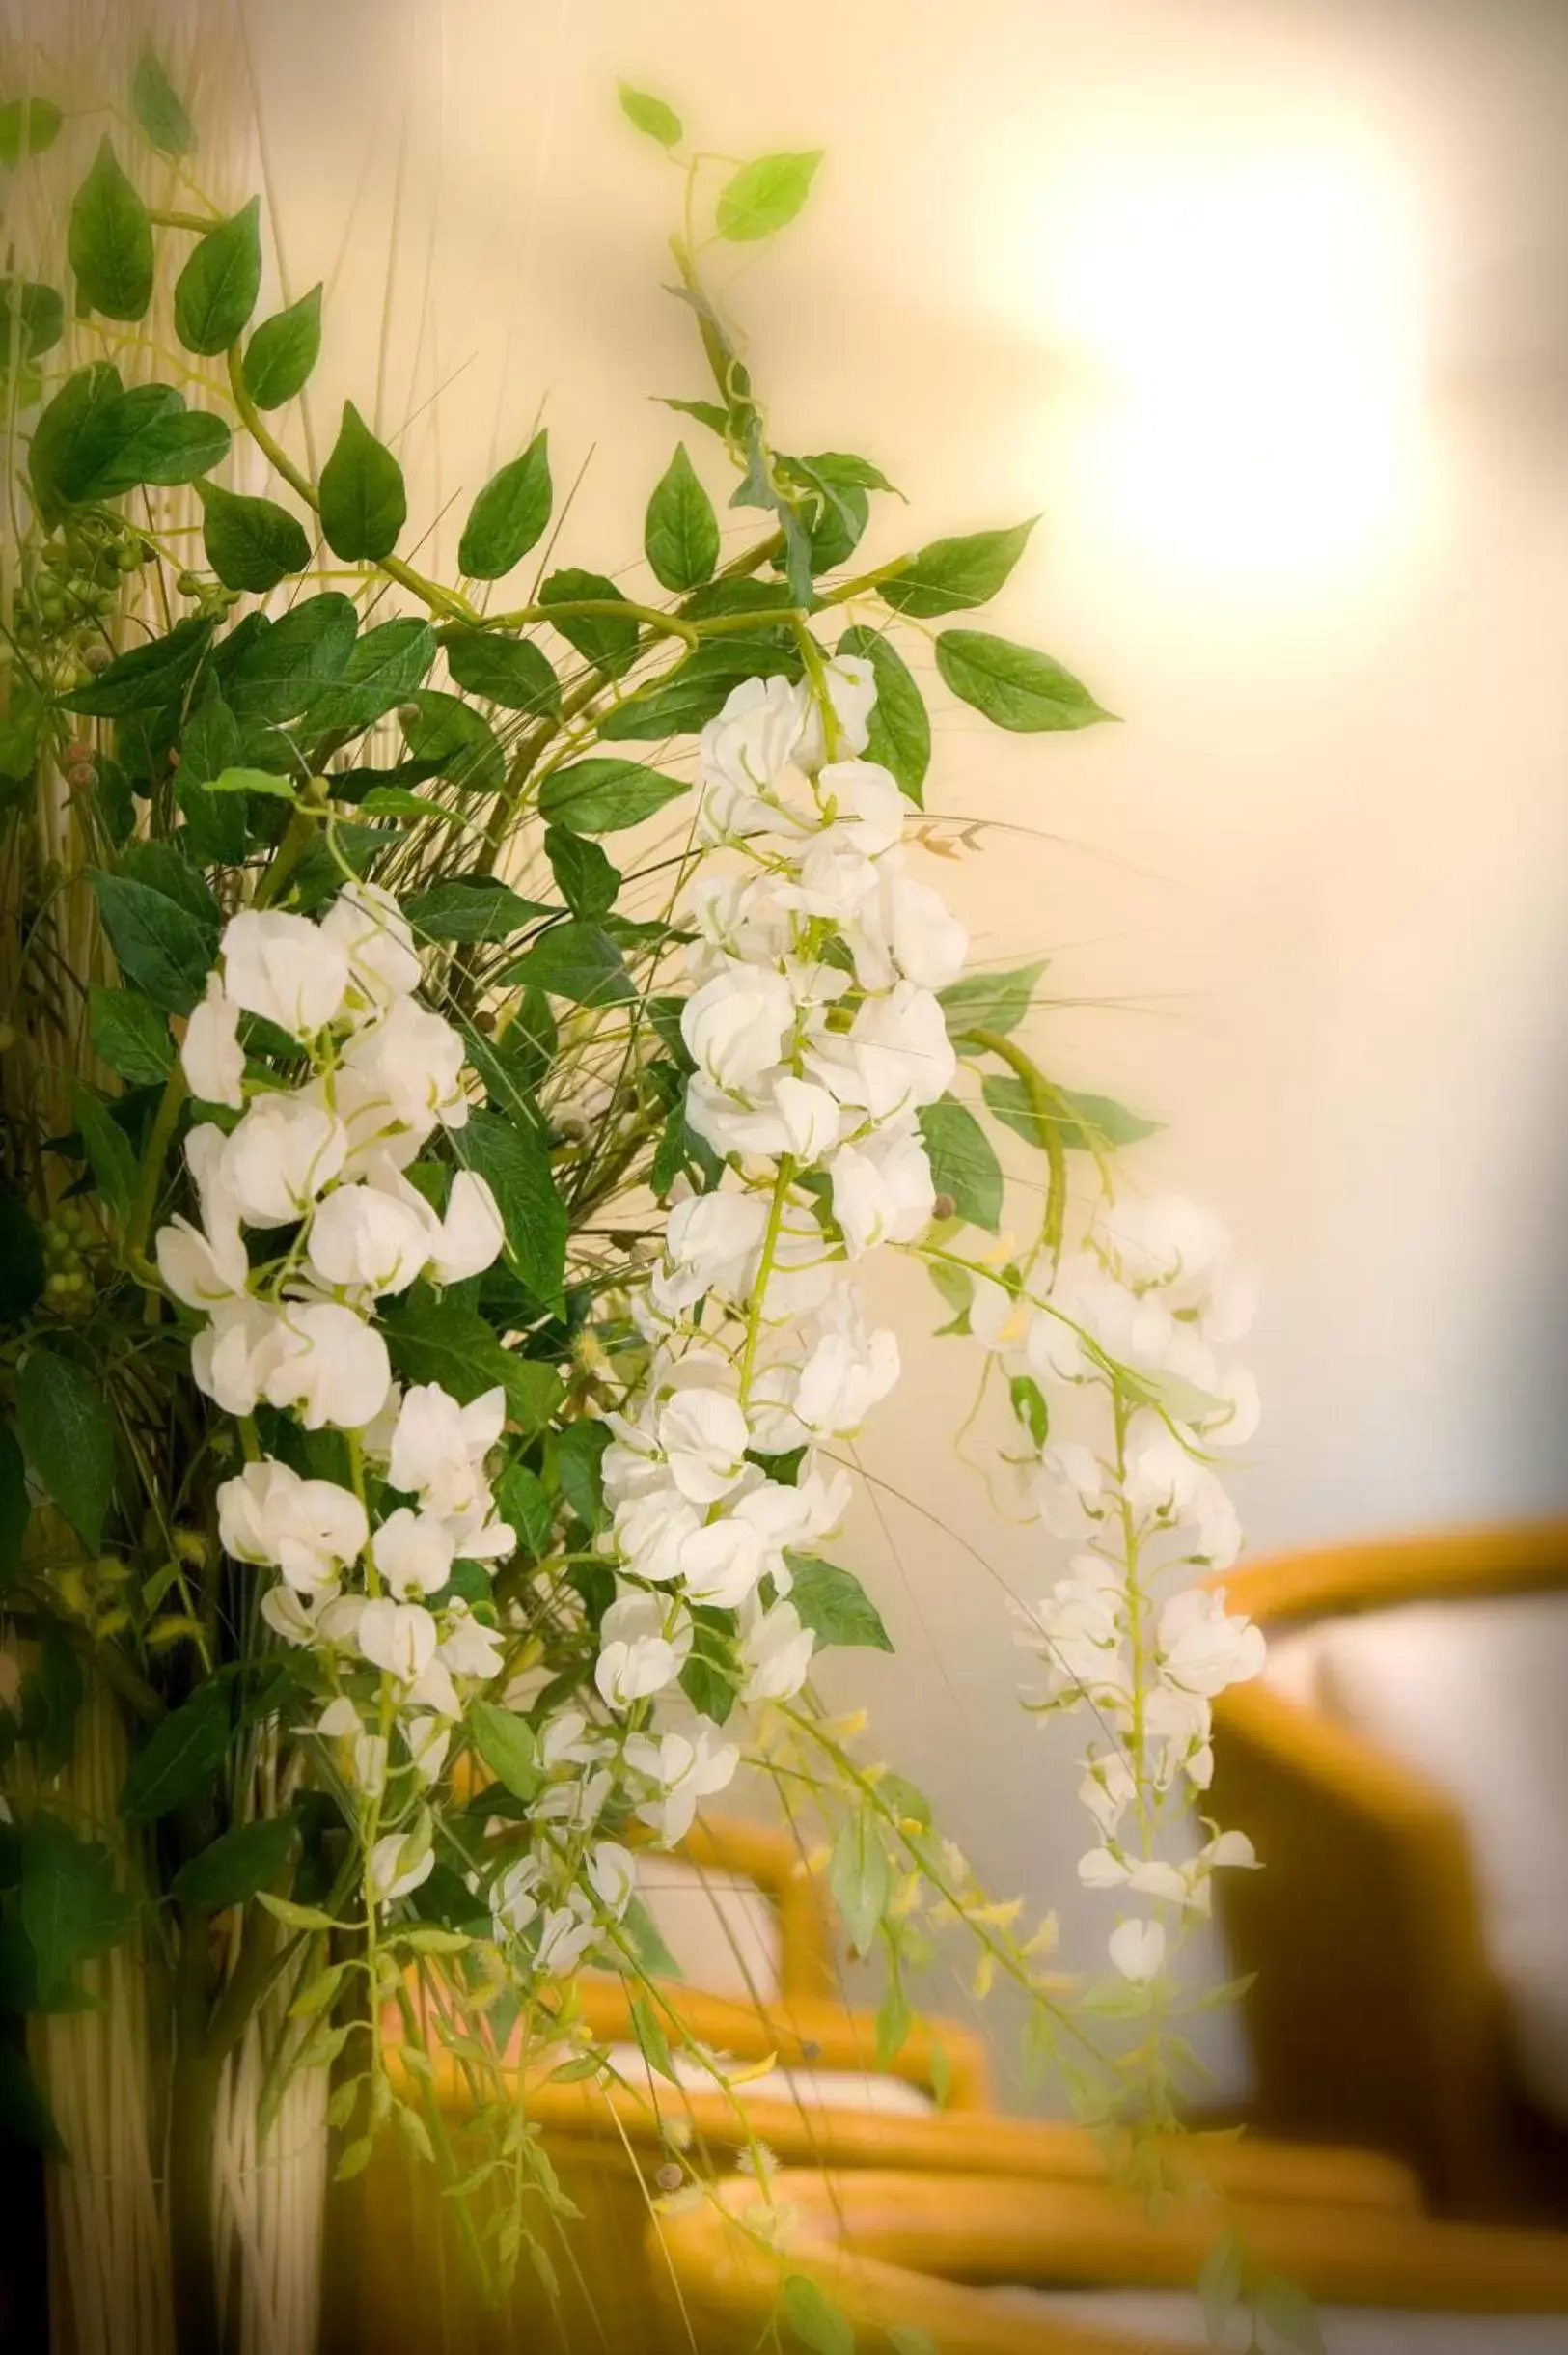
1160, 2319
1474, 1695
722, 1930
822, 2089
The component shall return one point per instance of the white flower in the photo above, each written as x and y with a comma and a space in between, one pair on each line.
512, 1902
564, 1937
735, 1025
776, 1650
882, 1192
722, 1561
704, 1438
745, 751
652, 1530
199, 1272
851, 689
611, 1877
1165, 1482
1069, 1488
468, 1648
438, 1447
710, 1243
388, 1875
427, 1740
309, 1529
847, 1374
372, 929
398, 1637
413, 1553
810, 1116
470, 1236
328, 1365
232, 1358
1138, 1950
289, 1616
637, 1655
863, 804
285, 969
895, 1057
369, 1763
339, 1721
210, 1054
375, 1238
279, 1158
1203, 1647
413, 1061
691, 1759
929, 942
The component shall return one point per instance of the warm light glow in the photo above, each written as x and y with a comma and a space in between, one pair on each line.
1253, 311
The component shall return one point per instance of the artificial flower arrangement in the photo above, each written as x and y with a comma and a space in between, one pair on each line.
432, 1344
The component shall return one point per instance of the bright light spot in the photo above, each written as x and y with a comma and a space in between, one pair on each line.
1253, 310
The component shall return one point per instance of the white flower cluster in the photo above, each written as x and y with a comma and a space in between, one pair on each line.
321, 1165
1122, 1350
816, 1041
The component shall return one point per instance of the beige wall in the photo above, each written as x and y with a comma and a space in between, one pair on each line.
1261, 306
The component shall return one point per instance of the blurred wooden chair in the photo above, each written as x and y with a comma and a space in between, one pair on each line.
998, 2266
1402, 1767
752, 1937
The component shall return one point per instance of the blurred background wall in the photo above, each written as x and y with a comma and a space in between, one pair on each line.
1264, 307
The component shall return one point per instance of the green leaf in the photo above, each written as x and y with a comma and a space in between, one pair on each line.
651, 2040
283, 352
251, 781
603, 797
14, 1510
160, 945
515, 1164
70, 1908
147, 677
683, 700
216, 291
285, 664
158, 110
523, 1503
650, 115
163, 869
765, 195
509, 671
146, 435
710, 1692
509, 516
69, 416
64, 1420
34, 320
210, 741
108, 1150
680, 534
28, 127
1013, 686
297, 1917
588, 882
1285, 2310
238, 1864
437, 1341
130, 1035
21, 1259
833, 1604
963, 1162
441, 729
815, 2321
990, 1001
109, 242
577, 961
1084, 1123
1219, 2286
605, 639
180, 1758
250, 543
476, 910
900, 728
894, 2022
578, 1456
709, 413
506, 1743
1030, 1407
364, 505
860, 1878
952, 575
385, 666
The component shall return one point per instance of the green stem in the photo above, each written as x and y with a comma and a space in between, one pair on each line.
150, 1179
1045, 1103
759, 1290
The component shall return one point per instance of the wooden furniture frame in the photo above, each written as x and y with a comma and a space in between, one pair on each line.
894, 2250
1374, 2017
